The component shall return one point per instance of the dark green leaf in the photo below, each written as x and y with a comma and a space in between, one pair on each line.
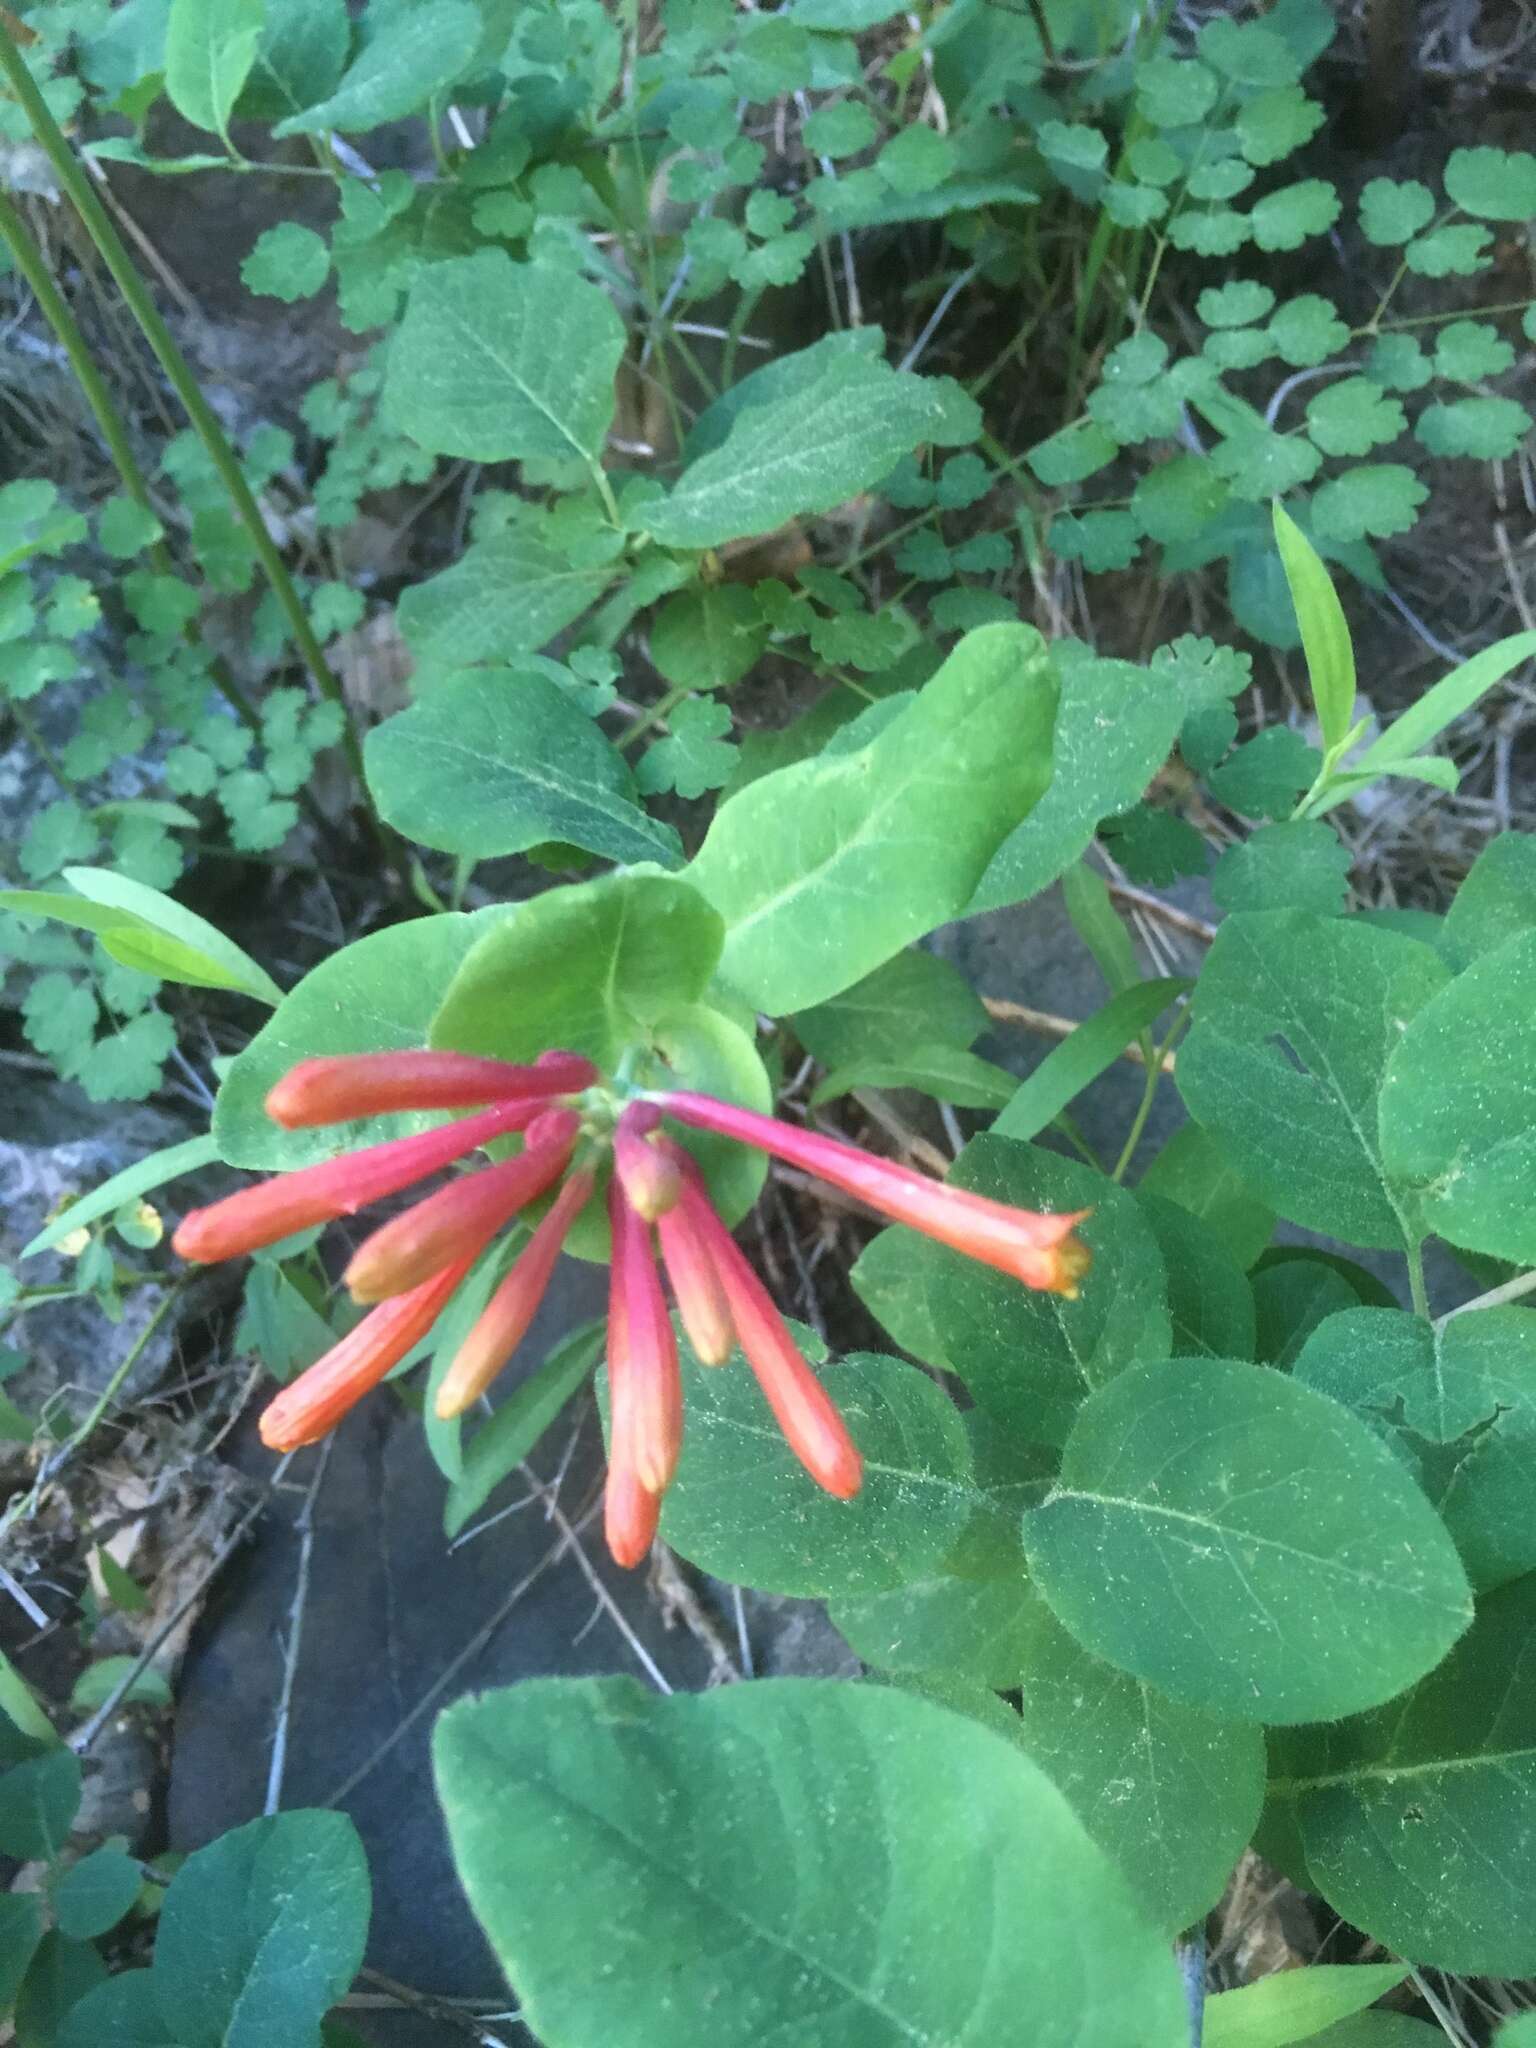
487, 764
1300, 1572
1459, 1400
1210, 1303
1298, 866
1456, 1127
1031, 1358
743, 1508
1296, 1017
95, 1893
1170, 1793
1416, 1820
263, 1930
38, 1799
865, 1921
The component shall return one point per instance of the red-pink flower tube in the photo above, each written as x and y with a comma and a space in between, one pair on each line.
336, 1089
1036, 1248
275, 1209
317, 1400
508, 1315
462, 1218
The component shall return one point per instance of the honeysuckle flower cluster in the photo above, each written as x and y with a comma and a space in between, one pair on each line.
572, 1122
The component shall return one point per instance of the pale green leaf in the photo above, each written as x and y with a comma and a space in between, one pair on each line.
1325, 640
412, 54
496, 359
210, 46
805, 453
823, 870
489, 764
1291, 2006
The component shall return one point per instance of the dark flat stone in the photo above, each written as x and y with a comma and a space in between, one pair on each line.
389, 1609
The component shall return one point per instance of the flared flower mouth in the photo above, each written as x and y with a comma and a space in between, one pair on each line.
570, 1121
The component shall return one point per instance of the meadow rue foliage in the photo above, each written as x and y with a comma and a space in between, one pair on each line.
573, 1123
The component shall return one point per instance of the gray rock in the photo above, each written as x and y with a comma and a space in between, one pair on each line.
57, 1145
391, 1612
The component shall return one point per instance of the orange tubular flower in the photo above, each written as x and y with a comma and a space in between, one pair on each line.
512, 1308
646, 1169
331, 1091
461, 1218
275, 1209
630, 1512
812, 1427
1037, 1249
642, 1352
696, 1286
318, 1398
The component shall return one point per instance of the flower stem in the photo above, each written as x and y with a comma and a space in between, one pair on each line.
98, 226
1418, 1292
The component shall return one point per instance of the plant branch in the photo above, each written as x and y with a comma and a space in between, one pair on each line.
1510, 1290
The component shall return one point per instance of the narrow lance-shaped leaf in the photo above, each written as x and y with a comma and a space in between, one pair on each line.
1325, 637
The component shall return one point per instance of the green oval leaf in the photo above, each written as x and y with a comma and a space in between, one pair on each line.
1031, 1358
1417, 1820
1296, 1017
490, 764
743, 1507
1245, 1544
1458, 1400
823, 870
826, 1863
496, 359
95, 1893
1455, 1105
263, 1930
